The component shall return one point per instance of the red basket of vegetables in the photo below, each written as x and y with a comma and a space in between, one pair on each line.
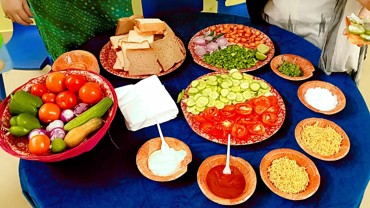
57, 116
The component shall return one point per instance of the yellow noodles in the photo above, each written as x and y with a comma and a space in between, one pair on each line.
288, 176
322, 140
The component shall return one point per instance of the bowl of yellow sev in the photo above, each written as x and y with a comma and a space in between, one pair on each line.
322, 139
289, 174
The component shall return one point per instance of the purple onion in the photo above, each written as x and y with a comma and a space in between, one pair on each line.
57, 133
67, 115
200, 50
208, 38
221, 41
212, 46
54, 124
35, 132
80, 108
199, 40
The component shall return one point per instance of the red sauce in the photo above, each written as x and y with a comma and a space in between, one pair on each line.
228, 186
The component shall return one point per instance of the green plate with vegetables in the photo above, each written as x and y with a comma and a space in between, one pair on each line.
231, 46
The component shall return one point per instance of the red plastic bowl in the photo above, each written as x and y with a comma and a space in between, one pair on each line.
18, 147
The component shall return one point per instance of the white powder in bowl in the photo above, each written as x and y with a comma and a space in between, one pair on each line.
321, 99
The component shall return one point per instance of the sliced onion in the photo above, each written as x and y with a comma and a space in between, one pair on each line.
35, 132
212, 46
199, 40
200, 50
80, 108
55, 124
208, 38
221, 41
67, 115
57, 133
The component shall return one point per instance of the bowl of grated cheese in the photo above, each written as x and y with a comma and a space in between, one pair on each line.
321, 97
289, 174
322, 139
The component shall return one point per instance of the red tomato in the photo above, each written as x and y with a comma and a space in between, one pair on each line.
206, 127
49, 112
259, 109
269, 118
199, 119
243, 108
39, 89
273, 109
273, 99
90, 93
74, 82
218, 131
66, 100
257, 128
239, 131
55, 82
247, 120
262, 100
211, 114
228, 111
48, 97
39, 144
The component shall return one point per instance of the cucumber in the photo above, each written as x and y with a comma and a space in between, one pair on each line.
255, 86
190, 102
97, 110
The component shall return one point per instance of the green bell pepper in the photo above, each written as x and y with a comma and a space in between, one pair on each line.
23, 123
24, 102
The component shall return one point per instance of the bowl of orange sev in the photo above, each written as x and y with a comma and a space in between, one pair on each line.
289, 174
322, 139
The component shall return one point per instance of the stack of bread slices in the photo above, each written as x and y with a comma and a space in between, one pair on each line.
145, 46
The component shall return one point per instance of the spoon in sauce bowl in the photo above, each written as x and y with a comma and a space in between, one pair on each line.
164, 146
227, 166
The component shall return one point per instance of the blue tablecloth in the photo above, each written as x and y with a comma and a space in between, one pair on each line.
107, 176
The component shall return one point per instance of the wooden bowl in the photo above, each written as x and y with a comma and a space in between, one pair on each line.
241, 164
344, 147
303, 161
332, 88
76, 59
155, 144
305, 66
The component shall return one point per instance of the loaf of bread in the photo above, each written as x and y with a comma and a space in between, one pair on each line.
142, 62
126, 24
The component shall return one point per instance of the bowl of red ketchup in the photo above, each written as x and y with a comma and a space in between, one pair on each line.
226, 189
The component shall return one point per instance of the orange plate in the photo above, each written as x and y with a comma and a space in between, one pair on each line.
304, 65
303, 161
108, 58
344, 147
76, 59
241, 164
259, 64
332, 88
270, 130
155, 144
18, 146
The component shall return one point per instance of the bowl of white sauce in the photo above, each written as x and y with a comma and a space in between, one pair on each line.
163, 165
322, 97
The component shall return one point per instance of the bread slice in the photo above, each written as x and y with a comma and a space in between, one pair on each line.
114, 40
142, 62
119, 60
126, 24
168, 51
157, 32
135, 37
130, 45
150, 24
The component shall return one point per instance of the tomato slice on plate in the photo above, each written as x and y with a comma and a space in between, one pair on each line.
248, 120
199, 119
211, 114
228, 111
272, 99
218, 131
206, 127
262, 101
259, 109
243, 108
257, 128
269, 118
239, 131
273, 109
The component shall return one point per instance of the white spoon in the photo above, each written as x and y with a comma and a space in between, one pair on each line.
227, 166
164, 145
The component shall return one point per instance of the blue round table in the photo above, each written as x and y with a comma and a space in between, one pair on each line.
107, 176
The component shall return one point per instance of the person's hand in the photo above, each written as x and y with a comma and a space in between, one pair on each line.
17, 11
